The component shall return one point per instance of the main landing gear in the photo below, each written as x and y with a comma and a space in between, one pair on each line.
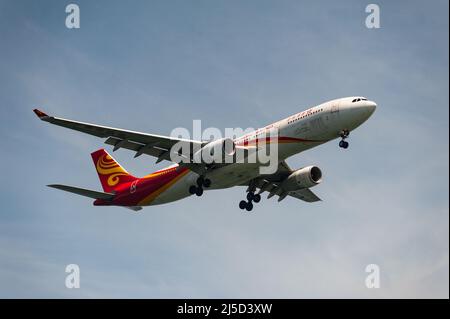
343, 143
248, 205
198, 189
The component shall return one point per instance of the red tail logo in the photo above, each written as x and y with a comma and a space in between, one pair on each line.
111, 174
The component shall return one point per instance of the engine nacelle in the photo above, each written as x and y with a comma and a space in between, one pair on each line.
216, 151
305, 177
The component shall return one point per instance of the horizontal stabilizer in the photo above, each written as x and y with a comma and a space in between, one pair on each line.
84, 192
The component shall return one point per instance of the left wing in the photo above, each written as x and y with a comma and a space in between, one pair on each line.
142, 143
272, 184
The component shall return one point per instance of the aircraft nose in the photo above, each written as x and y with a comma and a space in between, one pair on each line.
370, 107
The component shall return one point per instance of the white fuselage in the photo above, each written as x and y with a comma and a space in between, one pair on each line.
297, 133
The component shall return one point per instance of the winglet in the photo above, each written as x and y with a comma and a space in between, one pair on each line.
40, 114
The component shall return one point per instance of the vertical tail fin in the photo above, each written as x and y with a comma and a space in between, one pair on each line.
111, 174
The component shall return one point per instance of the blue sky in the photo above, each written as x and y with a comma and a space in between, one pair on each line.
156, 65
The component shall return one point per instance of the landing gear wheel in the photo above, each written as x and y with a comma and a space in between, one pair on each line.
344, 134
207, 182
199, 191
192, 189
343, 144
200, 181
203, 182
251, 197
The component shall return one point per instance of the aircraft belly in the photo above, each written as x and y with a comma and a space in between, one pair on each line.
232, 175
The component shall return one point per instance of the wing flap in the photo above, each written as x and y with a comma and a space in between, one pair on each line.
306, 195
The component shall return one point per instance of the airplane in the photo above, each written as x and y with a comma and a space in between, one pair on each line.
297, 133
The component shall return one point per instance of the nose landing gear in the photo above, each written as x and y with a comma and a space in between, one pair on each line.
343, 143
198, 189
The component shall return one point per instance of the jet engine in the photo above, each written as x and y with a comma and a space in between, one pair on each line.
305, 177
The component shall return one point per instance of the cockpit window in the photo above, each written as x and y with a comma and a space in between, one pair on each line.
359, 99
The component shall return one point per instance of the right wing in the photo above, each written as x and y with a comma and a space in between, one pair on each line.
142, 143
272, 185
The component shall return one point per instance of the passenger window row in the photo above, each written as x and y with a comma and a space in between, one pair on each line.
306, 115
